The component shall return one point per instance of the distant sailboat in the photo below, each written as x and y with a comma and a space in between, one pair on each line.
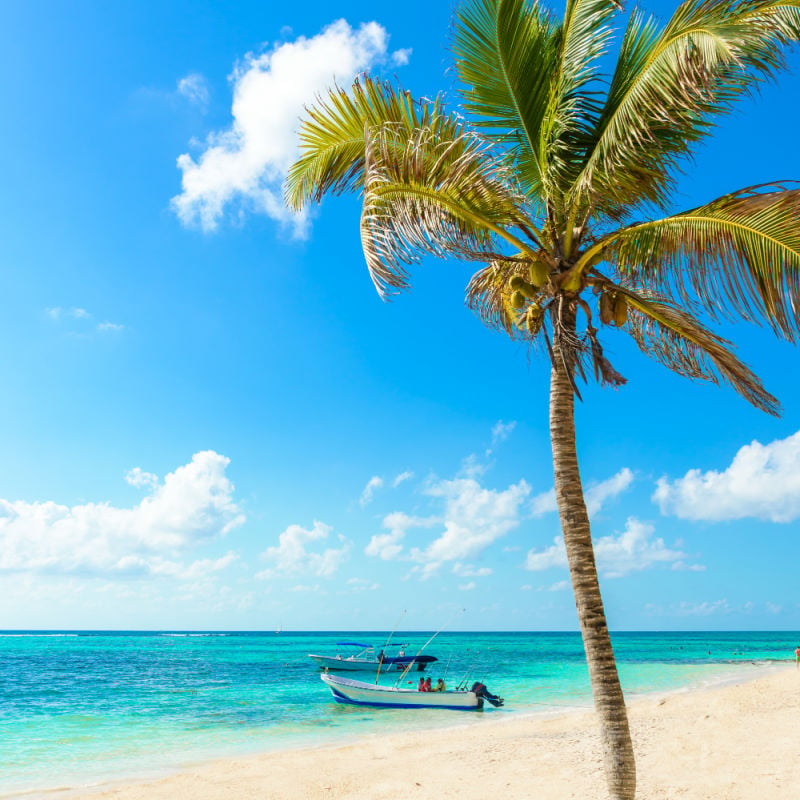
280, 628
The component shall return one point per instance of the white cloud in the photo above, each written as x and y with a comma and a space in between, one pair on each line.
467, 587
774, 608
78, 320
469, 571
704, 609
193, 87
291, 557
249, 161
304, 588
374, 483
387, 546
544, 503
140, 479
558, 586
194, 504
362, 585
679, 566
502, 430
57, 313
633, 550
402, 478
110, 327
474, 518
595, 496
762, 481
401, 57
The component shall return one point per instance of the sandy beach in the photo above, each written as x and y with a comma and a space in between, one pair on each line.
727, 742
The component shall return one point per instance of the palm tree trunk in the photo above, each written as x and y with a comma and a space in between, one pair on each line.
608, 698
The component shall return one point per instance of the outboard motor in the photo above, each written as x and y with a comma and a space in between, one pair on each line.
482, 693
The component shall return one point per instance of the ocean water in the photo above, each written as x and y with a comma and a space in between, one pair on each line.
81, 708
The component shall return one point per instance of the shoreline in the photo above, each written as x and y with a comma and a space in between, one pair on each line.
695, 742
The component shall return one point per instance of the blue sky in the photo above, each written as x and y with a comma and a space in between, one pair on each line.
210, 420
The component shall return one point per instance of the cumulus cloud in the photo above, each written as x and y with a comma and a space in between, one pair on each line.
373, 484
388, 546
474, 517
633, 550
291, 556
402, 56
193, 87
140, 479
596, 495
762, 482
194, 504
248, 162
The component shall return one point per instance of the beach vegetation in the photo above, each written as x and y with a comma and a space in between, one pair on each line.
556, 180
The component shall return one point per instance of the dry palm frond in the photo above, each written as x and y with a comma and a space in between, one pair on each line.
740, 253
683, 344
427, 196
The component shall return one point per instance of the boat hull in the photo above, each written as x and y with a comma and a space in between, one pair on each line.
358, 693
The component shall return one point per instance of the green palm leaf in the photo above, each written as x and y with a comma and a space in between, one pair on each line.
669, 86
740, 252
506, 51
574, 109
332, 137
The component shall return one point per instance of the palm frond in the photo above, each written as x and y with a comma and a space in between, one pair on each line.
574, 108
670, 85
740, 254
332, 136
506, 51
682, 343
427, 196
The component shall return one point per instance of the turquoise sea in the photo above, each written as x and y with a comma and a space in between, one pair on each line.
82, 708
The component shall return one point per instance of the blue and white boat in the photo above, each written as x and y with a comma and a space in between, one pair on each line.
365, 658
360, 693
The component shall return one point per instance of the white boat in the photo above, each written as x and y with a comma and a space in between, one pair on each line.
365, 659
359, 693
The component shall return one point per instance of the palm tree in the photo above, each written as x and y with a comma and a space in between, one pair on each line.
557, 179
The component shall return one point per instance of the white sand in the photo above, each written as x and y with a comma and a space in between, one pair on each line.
725, 743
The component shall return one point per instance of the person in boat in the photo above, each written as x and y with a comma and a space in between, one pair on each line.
421, 687
482, 692
428, 687
440, 686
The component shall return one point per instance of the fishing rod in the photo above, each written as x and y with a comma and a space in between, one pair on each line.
470, 668
444, 677
380, 660
419, 652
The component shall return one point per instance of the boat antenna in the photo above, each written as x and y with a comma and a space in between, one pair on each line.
380, 660
419, 652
